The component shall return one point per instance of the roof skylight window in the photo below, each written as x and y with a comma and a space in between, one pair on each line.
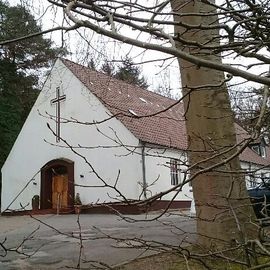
142, 99
132, 112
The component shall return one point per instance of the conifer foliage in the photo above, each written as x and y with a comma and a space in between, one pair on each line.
127, 71
19, 63
131, 73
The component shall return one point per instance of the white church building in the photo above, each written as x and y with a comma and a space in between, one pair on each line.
106, 140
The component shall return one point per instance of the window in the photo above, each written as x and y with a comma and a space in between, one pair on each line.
252, 181
175, 172
263, 152
256, 148
260, 150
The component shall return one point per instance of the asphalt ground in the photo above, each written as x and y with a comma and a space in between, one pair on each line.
69, 242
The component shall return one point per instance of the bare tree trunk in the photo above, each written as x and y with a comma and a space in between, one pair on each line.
222, 203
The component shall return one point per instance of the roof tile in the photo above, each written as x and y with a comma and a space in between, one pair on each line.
152, 123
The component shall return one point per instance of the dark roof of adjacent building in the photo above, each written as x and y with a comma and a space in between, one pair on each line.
150, 117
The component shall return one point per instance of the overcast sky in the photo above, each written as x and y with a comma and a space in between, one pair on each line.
101, 48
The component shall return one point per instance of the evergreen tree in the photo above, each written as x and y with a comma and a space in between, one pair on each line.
12, 109
19, 63
16, 21
108, 68
92, 64
130, 73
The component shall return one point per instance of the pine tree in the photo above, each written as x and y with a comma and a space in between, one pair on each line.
16, 21
108, 68
19, 63
130, 73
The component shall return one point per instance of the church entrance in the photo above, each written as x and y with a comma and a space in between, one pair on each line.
57, 185
59, 188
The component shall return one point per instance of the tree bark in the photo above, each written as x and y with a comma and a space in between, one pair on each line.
221, 199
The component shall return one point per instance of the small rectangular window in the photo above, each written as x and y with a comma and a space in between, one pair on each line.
252, 181
263, 152
260, 150
175, 172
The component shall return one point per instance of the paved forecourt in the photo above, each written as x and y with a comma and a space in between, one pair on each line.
52, 241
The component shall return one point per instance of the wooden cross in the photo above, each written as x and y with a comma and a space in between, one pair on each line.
57, 101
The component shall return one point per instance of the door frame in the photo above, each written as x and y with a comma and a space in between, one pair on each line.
46, 182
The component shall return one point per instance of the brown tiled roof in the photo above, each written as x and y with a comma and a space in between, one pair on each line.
248, 154
129, 102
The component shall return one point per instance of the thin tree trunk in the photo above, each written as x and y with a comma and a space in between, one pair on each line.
210, 129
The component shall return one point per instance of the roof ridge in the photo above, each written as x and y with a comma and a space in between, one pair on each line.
166, 129
118, 80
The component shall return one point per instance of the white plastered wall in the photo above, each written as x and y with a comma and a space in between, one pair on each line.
158, 176
36, 145
255, 171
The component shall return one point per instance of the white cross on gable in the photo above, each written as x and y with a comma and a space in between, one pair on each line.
57, 101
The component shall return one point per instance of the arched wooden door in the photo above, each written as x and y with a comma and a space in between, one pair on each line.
60, 191
57, 185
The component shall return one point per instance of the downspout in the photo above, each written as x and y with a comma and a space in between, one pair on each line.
144, 186
248, 183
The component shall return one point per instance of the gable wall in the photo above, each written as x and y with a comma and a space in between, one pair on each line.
35, 146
